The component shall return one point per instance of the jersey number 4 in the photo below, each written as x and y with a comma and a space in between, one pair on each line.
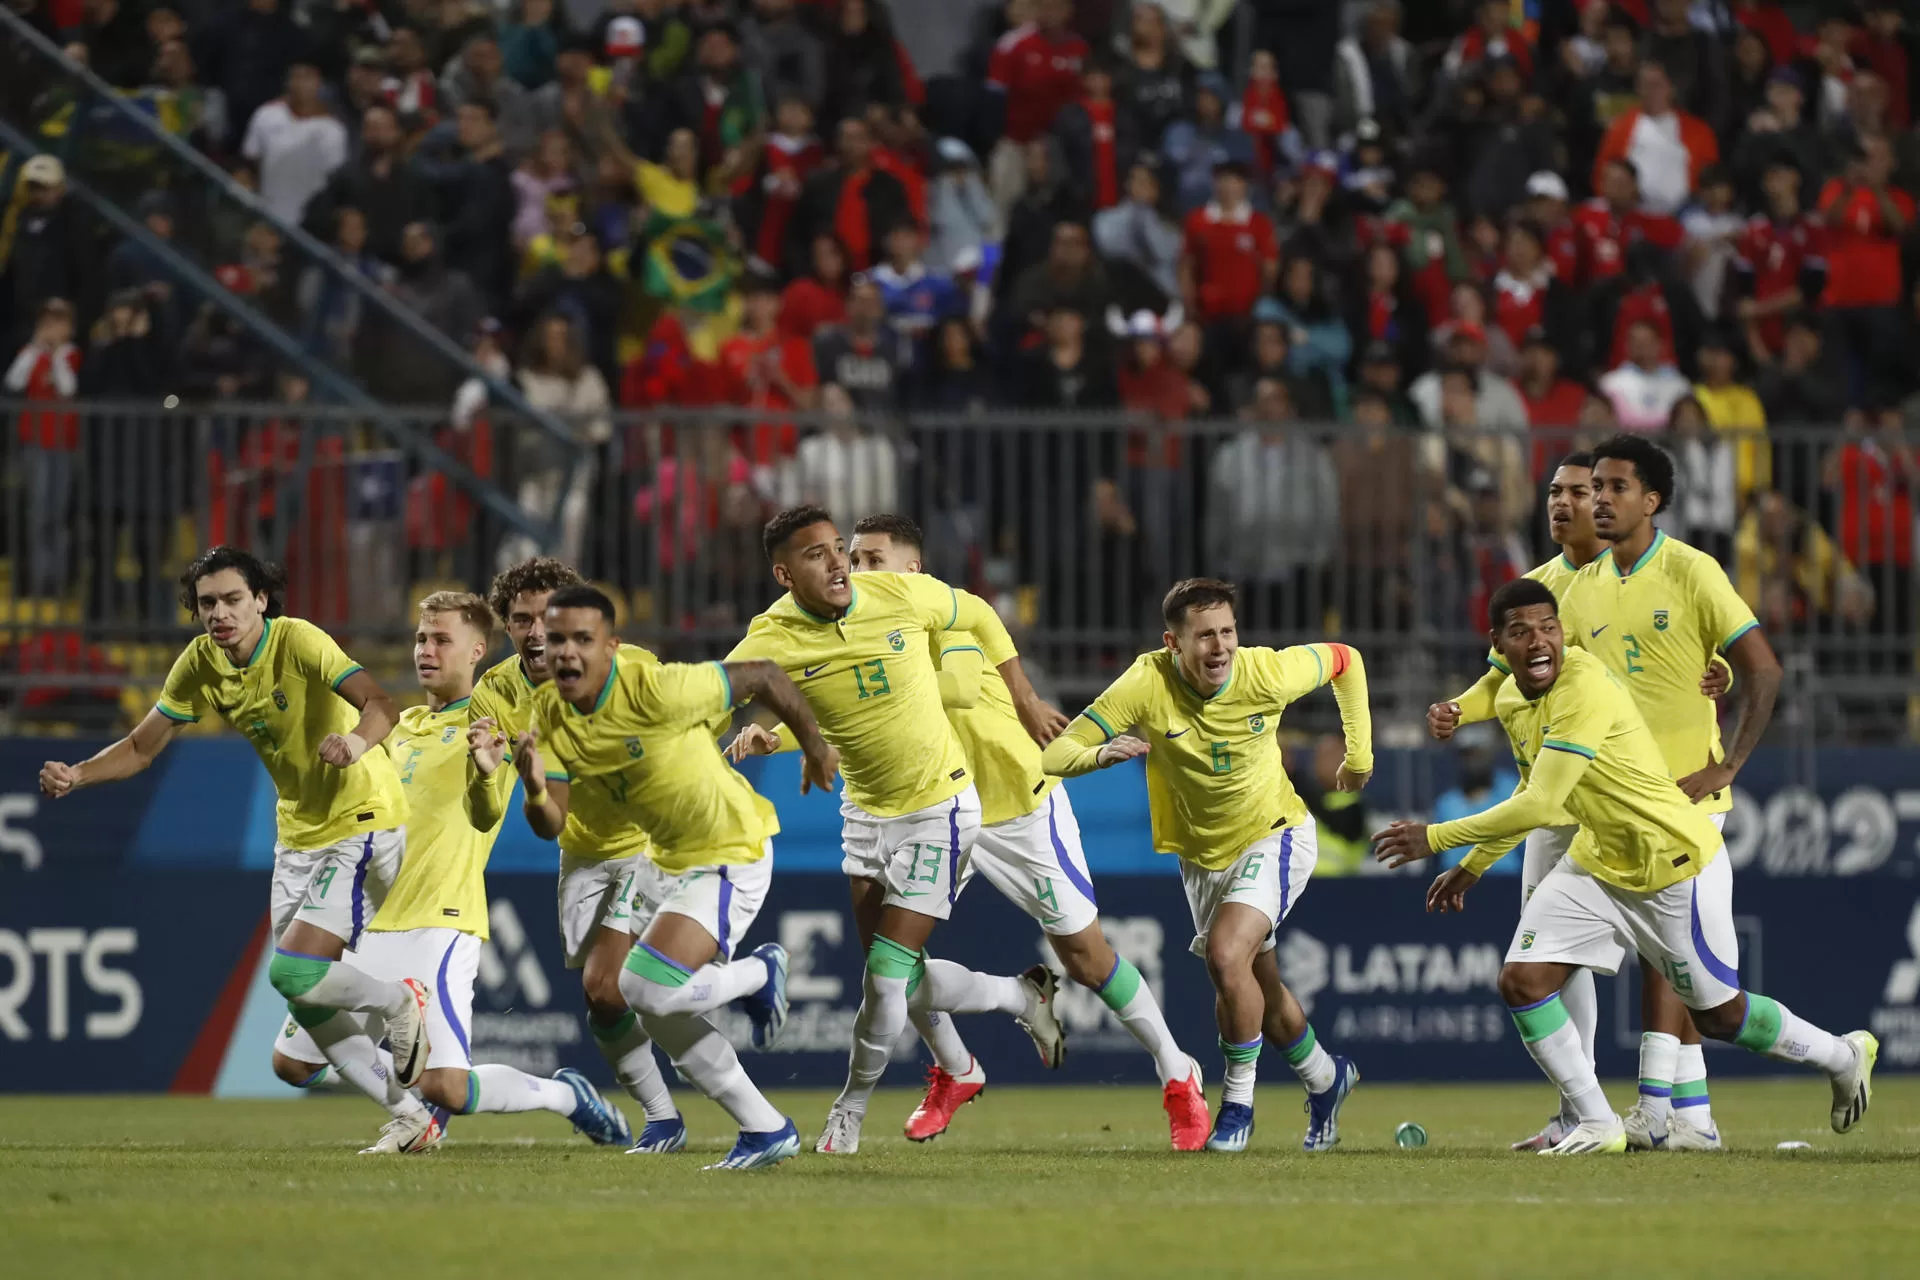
873, 684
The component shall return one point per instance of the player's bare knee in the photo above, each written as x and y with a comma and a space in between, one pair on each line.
300, 1075
1721, 1022
1229, 959
1087, 956
1524, 984
445, 1088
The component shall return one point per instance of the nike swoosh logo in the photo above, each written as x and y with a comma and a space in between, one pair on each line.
1181, 734
914, 893
808, 673
1598, 630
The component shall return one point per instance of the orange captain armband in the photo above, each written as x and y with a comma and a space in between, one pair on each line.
1342, 659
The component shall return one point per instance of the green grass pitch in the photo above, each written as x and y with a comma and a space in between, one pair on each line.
1039, 1182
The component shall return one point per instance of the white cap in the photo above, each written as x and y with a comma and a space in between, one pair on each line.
47, 171
1143, 324
1547, 184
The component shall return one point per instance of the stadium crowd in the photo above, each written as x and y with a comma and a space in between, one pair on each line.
1479, 220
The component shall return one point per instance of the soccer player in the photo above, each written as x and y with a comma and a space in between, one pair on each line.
1221, 800
1029, 848
313, 717
595, 930
1655, 610
625, 745
434, 919
864, 659
1648, 869
1570, 524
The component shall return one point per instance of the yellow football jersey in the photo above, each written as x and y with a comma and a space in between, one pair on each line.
504, 695
285, 699
1215, 781
1004, 757
1637, 830
442, 883
870, 678
644, 765
1657, 627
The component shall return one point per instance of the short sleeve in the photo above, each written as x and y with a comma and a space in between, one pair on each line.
999, 67
1124, 703
689, 693
182, 698
1579, 714
315, 652
1725, 617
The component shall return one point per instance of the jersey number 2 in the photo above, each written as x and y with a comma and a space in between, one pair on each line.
1633, 652
874, 683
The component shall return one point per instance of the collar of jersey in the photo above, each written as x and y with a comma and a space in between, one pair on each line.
521, 664
266, 625
1569, 563
1659, 537
605, 689
853, 598
1204, 697
456, 705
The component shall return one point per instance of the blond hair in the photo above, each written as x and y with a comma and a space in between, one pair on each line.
472, 610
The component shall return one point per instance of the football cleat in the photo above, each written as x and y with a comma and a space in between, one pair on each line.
946, 1094
1185, 1102
1049, 1037
410, 1135
1853, 1088
1231, 1128
592, 1114
762, 1150
661, 1137
1592, 1137
841, 1134
767, 1007
1683, 1135
1556, 1129
407, 1036
1644, 1133
1323, 1108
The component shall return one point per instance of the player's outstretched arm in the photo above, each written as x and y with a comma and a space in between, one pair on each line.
121, 760
1470, 707
764, 682
378, 715
1537, 804
1759, 683
545, 800
1084, 748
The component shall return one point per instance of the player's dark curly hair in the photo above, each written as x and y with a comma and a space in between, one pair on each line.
789, 522
583, 596
1518, 594
1652, 465
540, 574
1195, 593
1580, 459
902, 529
262, 577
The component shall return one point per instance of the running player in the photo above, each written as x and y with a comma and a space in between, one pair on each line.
1029, 848
1221, 800
1655, 611
313, 717
625, 745
434, 920
595, 930
1570, 524
1648, 869
864, 658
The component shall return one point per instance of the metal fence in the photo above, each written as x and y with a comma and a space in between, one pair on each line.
1391, 539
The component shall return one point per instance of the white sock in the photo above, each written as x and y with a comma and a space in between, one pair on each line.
494, 1088
882, 1016
1690, 1101
344, 987
1659, 1054
1310, 1061
653, 990
954, 988
1555, 1045
1243, 1065
942, 1037
1133, 1003
629, 1051
1775, 1031
704, 1057
1582, 1003
344, 1038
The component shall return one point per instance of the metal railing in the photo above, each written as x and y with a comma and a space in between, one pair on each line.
1391, 540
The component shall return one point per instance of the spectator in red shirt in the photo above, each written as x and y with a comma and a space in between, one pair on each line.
1492, 36
1874, 475
1098, 142
1231, 255
1880, 46
1865, 218
1526, 293
854, 198
1546, 208
1667, 147
1553, 402
1780, 261
768, 368
819, 297
1772, 24
47, 371
1035, 69
1613, 221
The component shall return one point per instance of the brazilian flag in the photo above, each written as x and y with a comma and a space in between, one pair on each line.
688, 263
